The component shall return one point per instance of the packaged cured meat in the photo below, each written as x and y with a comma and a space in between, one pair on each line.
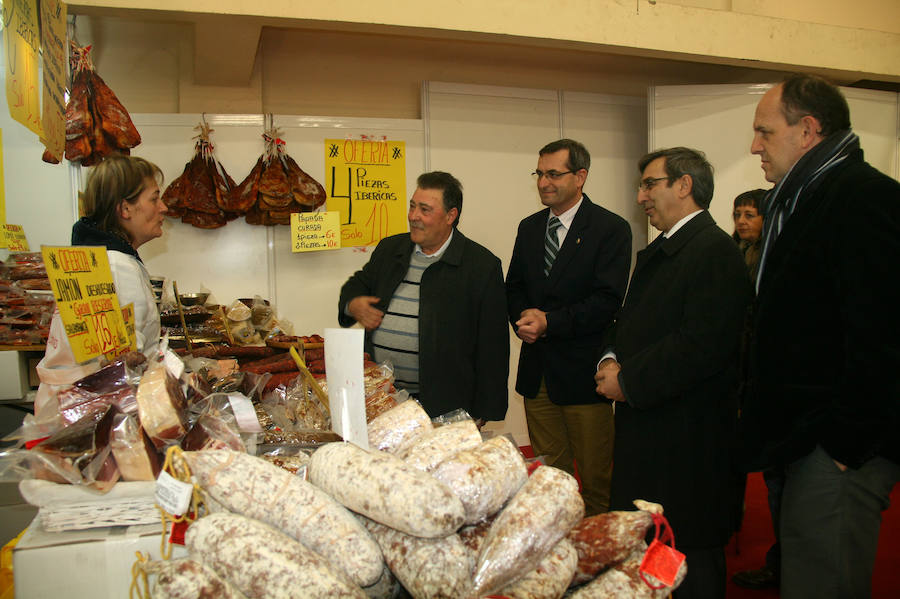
97, 124
136, 457
543, 511
79, 453
257, 489
624, 580
262, 562
484, 477
606, 539
186, 578
386, 489
395, 429
161, 406
551, 577
200, 194
428, 450
114, 384
438, 568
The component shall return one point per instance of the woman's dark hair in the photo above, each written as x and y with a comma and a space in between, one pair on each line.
115, 180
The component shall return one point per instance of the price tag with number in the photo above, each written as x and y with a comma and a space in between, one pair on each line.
85, 294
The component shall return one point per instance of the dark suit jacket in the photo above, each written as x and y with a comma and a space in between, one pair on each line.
463, 336
825, 355
677, 339
581, 295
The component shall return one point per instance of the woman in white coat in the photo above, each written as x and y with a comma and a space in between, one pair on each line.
123, 211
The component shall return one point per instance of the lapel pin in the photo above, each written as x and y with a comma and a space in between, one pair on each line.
577, 241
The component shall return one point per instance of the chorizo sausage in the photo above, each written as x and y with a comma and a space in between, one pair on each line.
484, 477
263, 562
605, 539
438, 568
386, 489
189, 579
258, 489
543, 511
550, 579
392, 431
432, 447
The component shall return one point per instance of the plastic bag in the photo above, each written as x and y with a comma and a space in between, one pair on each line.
161, 405
135, 455
114, 384
394, 430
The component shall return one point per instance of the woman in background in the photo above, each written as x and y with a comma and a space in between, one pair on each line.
748, 223
123, 211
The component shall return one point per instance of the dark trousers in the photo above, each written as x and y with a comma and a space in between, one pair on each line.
706, 576
830, 520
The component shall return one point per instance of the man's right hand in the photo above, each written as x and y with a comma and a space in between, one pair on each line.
363, 309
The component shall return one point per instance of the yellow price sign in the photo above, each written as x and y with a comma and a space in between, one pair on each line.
85, 294
14, 237
315, 231
366, 182
21, 39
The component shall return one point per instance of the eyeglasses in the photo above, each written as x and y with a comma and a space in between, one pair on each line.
649, 183
552, 175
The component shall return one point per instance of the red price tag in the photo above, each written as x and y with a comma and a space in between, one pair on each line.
662, 562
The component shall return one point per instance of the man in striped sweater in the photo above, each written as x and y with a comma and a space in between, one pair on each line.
433, 304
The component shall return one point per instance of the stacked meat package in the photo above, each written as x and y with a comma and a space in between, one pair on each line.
26, 302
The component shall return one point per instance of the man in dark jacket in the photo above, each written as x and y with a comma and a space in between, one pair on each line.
433, 304
671, 366
823, 390
559, 308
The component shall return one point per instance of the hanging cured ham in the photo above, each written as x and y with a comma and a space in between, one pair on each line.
276, 187
201, 195
97, 124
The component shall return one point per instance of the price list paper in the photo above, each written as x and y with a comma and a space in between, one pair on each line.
365, 180
13, 238
314, 231
85, 294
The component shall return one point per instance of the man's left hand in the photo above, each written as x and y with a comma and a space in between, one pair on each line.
607, 379
531, 325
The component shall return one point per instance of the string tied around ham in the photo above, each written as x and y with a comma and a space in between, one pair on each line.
661, 560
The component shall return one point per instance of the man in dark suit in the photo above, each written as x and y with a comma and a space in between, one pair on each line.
565, 281
671, 366
823, 396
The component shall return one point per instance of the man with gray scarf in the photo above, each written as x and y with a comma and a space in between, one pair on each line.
823, 392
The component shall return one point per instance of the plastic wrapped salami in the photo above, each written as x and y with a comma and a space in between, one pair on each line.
386, 489
255, 488
484, 477
394, 430
433, 447
437, 568
263, 562
624, 580
551, 577
606, 539
188, 579
543, 511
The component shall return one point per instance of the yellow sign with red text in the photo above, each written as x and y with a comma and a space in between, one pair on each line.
21, 41
365, 180
85, 294
14, 238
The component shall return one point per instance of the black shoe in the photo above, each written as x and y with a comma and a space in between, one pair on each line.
761, 578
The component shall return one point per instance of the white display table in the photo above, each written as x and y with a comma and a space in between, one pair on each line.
93, 564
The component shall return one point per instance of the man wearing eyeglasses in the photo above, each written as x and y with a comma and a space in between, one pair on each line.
565, 281
671, 366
